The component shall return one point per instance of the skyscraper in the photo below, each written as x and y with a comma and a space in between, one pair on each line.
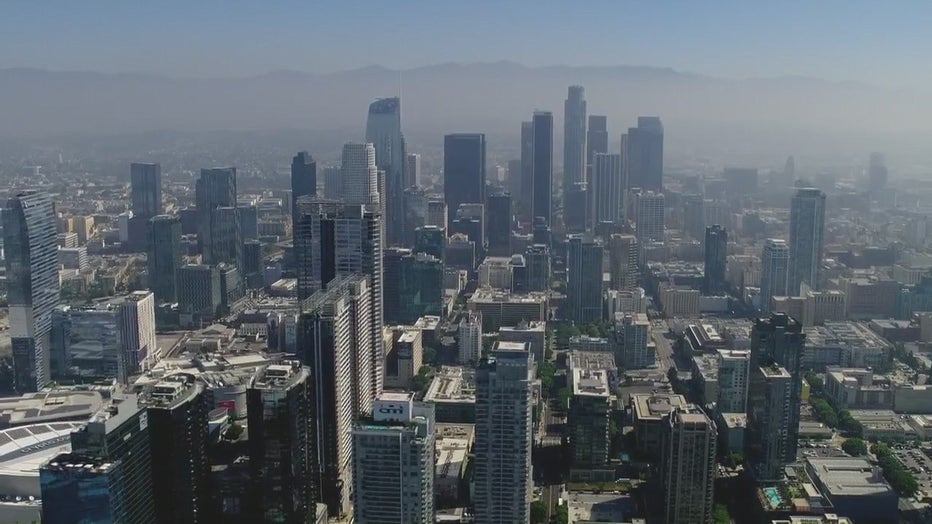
644, 148
281, 454
110, 456
716, 253
383, 130
303, 179
413, 285
177, 410
220, 234
694, 216
608, 189
650, 217
688, 466
537, 258
164, 256
463, 170
526, 196
498, 224
583, 280
574, 138
33, 287
502, 450
413, 170
774, 264
394, 462
807, 223
337, 240
146, 199
637, 350
733, 378
876, 173
623, 261
774, 392
596, 140
359, 176
337, 343
589, 417
542, 166
470, 337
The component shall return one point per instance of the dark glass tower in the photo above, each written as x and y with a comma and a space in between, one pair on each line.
220, 234
574, 137
303, 179
146, 189
807, 226
413, 286
498, 224
383, 131
716, 253
542, 158
115, 443
583, 280
645, 154
177, 409
463, 170
33, 286
279, 408
164, 256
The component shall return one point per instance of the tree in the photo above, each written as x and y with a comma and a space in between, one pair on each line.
538, 512
720, 514
816, 385
854, 447
563, 396
545, 372
561, 515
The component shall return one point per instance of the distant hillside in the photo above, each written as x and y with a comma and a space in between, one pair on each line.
701, 113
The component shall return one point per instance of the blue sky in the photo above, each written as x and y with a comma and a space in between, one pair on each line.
875, 42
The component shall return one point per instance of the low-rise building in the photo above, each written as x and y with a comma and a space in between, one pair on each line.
857, 388
911, 398
533, 333
847, 344
731, 428
453, 443
882, 424
506, 309
453, 393
854, 487
679, 301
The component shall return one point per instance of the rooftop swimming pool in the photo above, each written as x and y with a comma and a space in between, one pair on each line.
773, 496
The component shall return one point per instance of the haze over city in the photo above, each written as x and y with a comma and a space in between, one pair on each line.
421, 262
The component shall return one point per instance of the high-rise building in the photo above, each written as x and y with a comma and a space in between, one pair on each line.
537, 259
359, 175
432, 240
177, 410
688, 466
109, 340
596, 140
416, 211
526, 195
164, 256
876, 173
412, 285
542, 166
383, 131
776, 344
583, 280
469, 337
768, 435
404, 357
413, 170
498, 224
32, 285
437, 212
773, 273
463, 170
303, 179
623, 261
333, 182
694, 216
279, 406
716, 254
220, 235
637, 349
650, 217
608, 189
589, 417
733, 376
336, 240
502, 450
576, 208
574, 138
146, 200
199, 290
107, 477
394, 462
146, 190
644, 150
807, 224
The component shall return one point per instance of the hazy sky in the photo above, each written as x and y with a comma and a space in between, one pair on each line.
872, 41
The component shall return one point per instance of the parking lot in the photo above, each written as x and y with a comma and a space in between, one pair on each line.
919, 464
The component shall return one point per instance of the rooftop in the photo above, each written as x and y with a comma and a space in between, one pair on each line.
591, 360
848, 476
48, 406
590, 383
452, 384
655, 406
279, 376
